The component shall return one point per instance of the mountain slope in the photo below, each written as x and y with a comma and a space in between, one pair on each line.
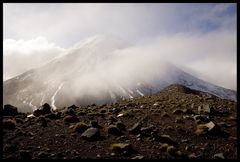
94, 71
167, 125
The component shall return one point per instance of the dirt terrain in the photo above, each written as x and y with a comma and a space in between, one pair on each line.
176, 123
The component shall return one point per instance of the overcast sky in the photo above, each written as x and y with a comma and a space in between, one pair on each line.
201, 36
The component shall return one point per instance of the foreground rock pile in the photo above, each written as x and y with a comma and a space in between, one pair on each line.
177, 123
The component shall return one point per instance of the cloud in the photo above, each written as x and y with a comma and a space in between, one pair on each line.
23, 55
201, 38
66, 24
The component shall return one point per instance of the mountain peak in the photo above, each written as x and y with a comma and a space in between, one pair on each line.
102, 40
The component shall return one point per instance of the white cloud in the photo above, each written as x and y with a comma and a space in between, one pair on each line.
40, 45
22, 55
199, 37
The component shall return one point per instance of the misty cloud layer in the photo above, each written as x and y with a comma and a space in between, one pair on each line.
200, 39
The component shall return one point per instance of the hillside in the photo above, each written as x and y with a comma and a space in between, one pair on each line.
175, 123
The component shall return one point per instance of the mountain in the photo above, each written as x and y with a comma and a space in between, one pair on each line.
97, 71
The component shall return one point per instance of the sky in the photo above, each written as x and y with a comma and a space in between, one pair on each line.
200, 38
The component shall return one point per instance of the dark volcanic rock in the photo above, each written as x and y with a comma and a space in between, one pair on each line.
95, 124
135, 129
112, 129
91, 134
211, 129
43, 110
122, 148
70, 119
25, 154
9, 124
9, 110
70, 112
73, 107
81, 127
167, 139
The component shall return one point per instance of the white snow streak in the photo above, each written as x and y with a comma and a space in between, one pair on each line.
53, 97
140, 93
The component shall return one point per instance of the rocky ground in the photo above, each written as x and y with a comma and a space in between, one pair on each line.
176, 123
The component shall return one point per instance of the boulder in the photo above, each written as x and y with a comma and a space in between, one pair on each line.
81, 127
42, 110
9, 110
112, 129
211, 129
122, 148
70, 119
9, 124
71, 112
91, 134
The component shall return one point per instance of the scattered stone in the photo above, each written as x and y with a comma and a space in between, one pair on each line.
219, 156
51, 116
95, 124
11, 148
204, 109
9, 110
171, 150
73, 107
211, 129
188, 111
25, 154
164, 147
70, 119
178, 111
9, 124
192, 156
42, 110
121, 126
169, 128
165, 114
135, 129
21, 116
91, 134
138, 157
70, 112
112, 129
167, 139
43, 155
121, 147
110, 117
201, 118
179, 120
81, 127
146, 131
187, 117
156, 104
